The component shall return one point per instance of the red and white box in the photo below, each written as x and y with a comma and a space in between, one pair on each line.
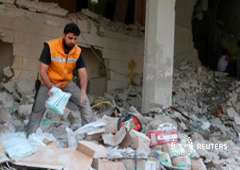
166, 133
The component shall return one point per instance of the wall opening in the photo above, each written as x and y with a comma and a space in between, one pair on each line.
6, 55
215, 27
97, 76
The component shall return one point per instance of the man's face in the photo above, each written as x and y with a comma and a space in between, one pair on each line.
69, 40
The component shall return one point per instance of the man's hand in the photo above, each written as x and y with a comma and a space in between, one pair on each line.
83, 98
50, 93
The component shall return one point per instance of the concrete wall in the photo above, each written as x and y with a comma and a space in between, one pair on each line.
184, 47
28, 30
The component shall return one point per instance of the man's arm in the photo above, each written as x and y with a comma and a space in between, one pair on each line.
44, 75
45, 60
82, 73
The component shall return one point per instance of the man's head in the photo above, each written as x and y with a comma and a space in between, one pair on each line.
70, 34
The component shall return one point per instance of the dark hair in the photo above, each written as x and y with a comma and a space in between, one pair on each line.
72, 28
224, 52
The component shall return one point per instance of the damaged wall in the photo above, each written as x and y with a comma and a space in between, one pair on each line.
27, 31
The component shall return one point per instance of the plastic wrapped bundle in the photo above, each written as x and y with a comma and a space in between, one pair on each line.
16, 145
57, 101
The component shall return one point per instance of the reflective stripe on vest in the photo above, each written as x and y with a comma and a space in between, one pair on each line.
63, 60
58, 59
72, 60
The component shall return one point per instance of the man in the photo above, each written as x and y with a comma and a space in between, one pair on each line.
57, 61
227, 63
223, 62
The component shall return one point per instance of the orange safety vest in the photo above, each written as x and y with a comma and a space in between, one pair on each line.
60, 70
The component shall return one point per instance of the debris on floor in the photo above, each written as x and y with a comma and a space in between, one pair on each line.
204, 115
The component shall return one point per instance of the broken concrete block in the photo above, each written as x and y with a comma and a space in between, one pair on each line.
19, 126
108, 96
58, 11
123, 96
202, 152
220, 74
232, 113
27, 4
136, 102
24, 110
216, 122
9, 86
237, 120
7, 71
7, 1
4, 116
184, 67
90, 14
25, 87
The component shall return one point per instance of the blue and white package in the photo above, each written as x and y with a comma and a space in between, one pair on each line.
16, 145
57, 101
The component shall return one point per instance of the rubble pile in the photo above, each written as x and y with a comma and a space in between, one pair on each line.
96, 24
199, 90
213, 128
196, 89
36, 6
102, 25
103, 144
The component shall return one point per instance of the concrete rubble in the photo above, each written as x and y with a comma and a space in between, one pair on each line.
110, 145
105, 27
36, 6
88, 21
205, 107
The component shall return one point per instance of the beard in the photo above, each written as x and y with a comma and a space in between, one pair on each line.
67, 47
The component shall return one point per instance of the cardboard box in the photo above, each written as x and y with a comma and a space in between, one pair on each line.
59, 158
93, 149
100, 164
111, 124
137, 136
149, 164
95, 135
136, 140
114, 140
